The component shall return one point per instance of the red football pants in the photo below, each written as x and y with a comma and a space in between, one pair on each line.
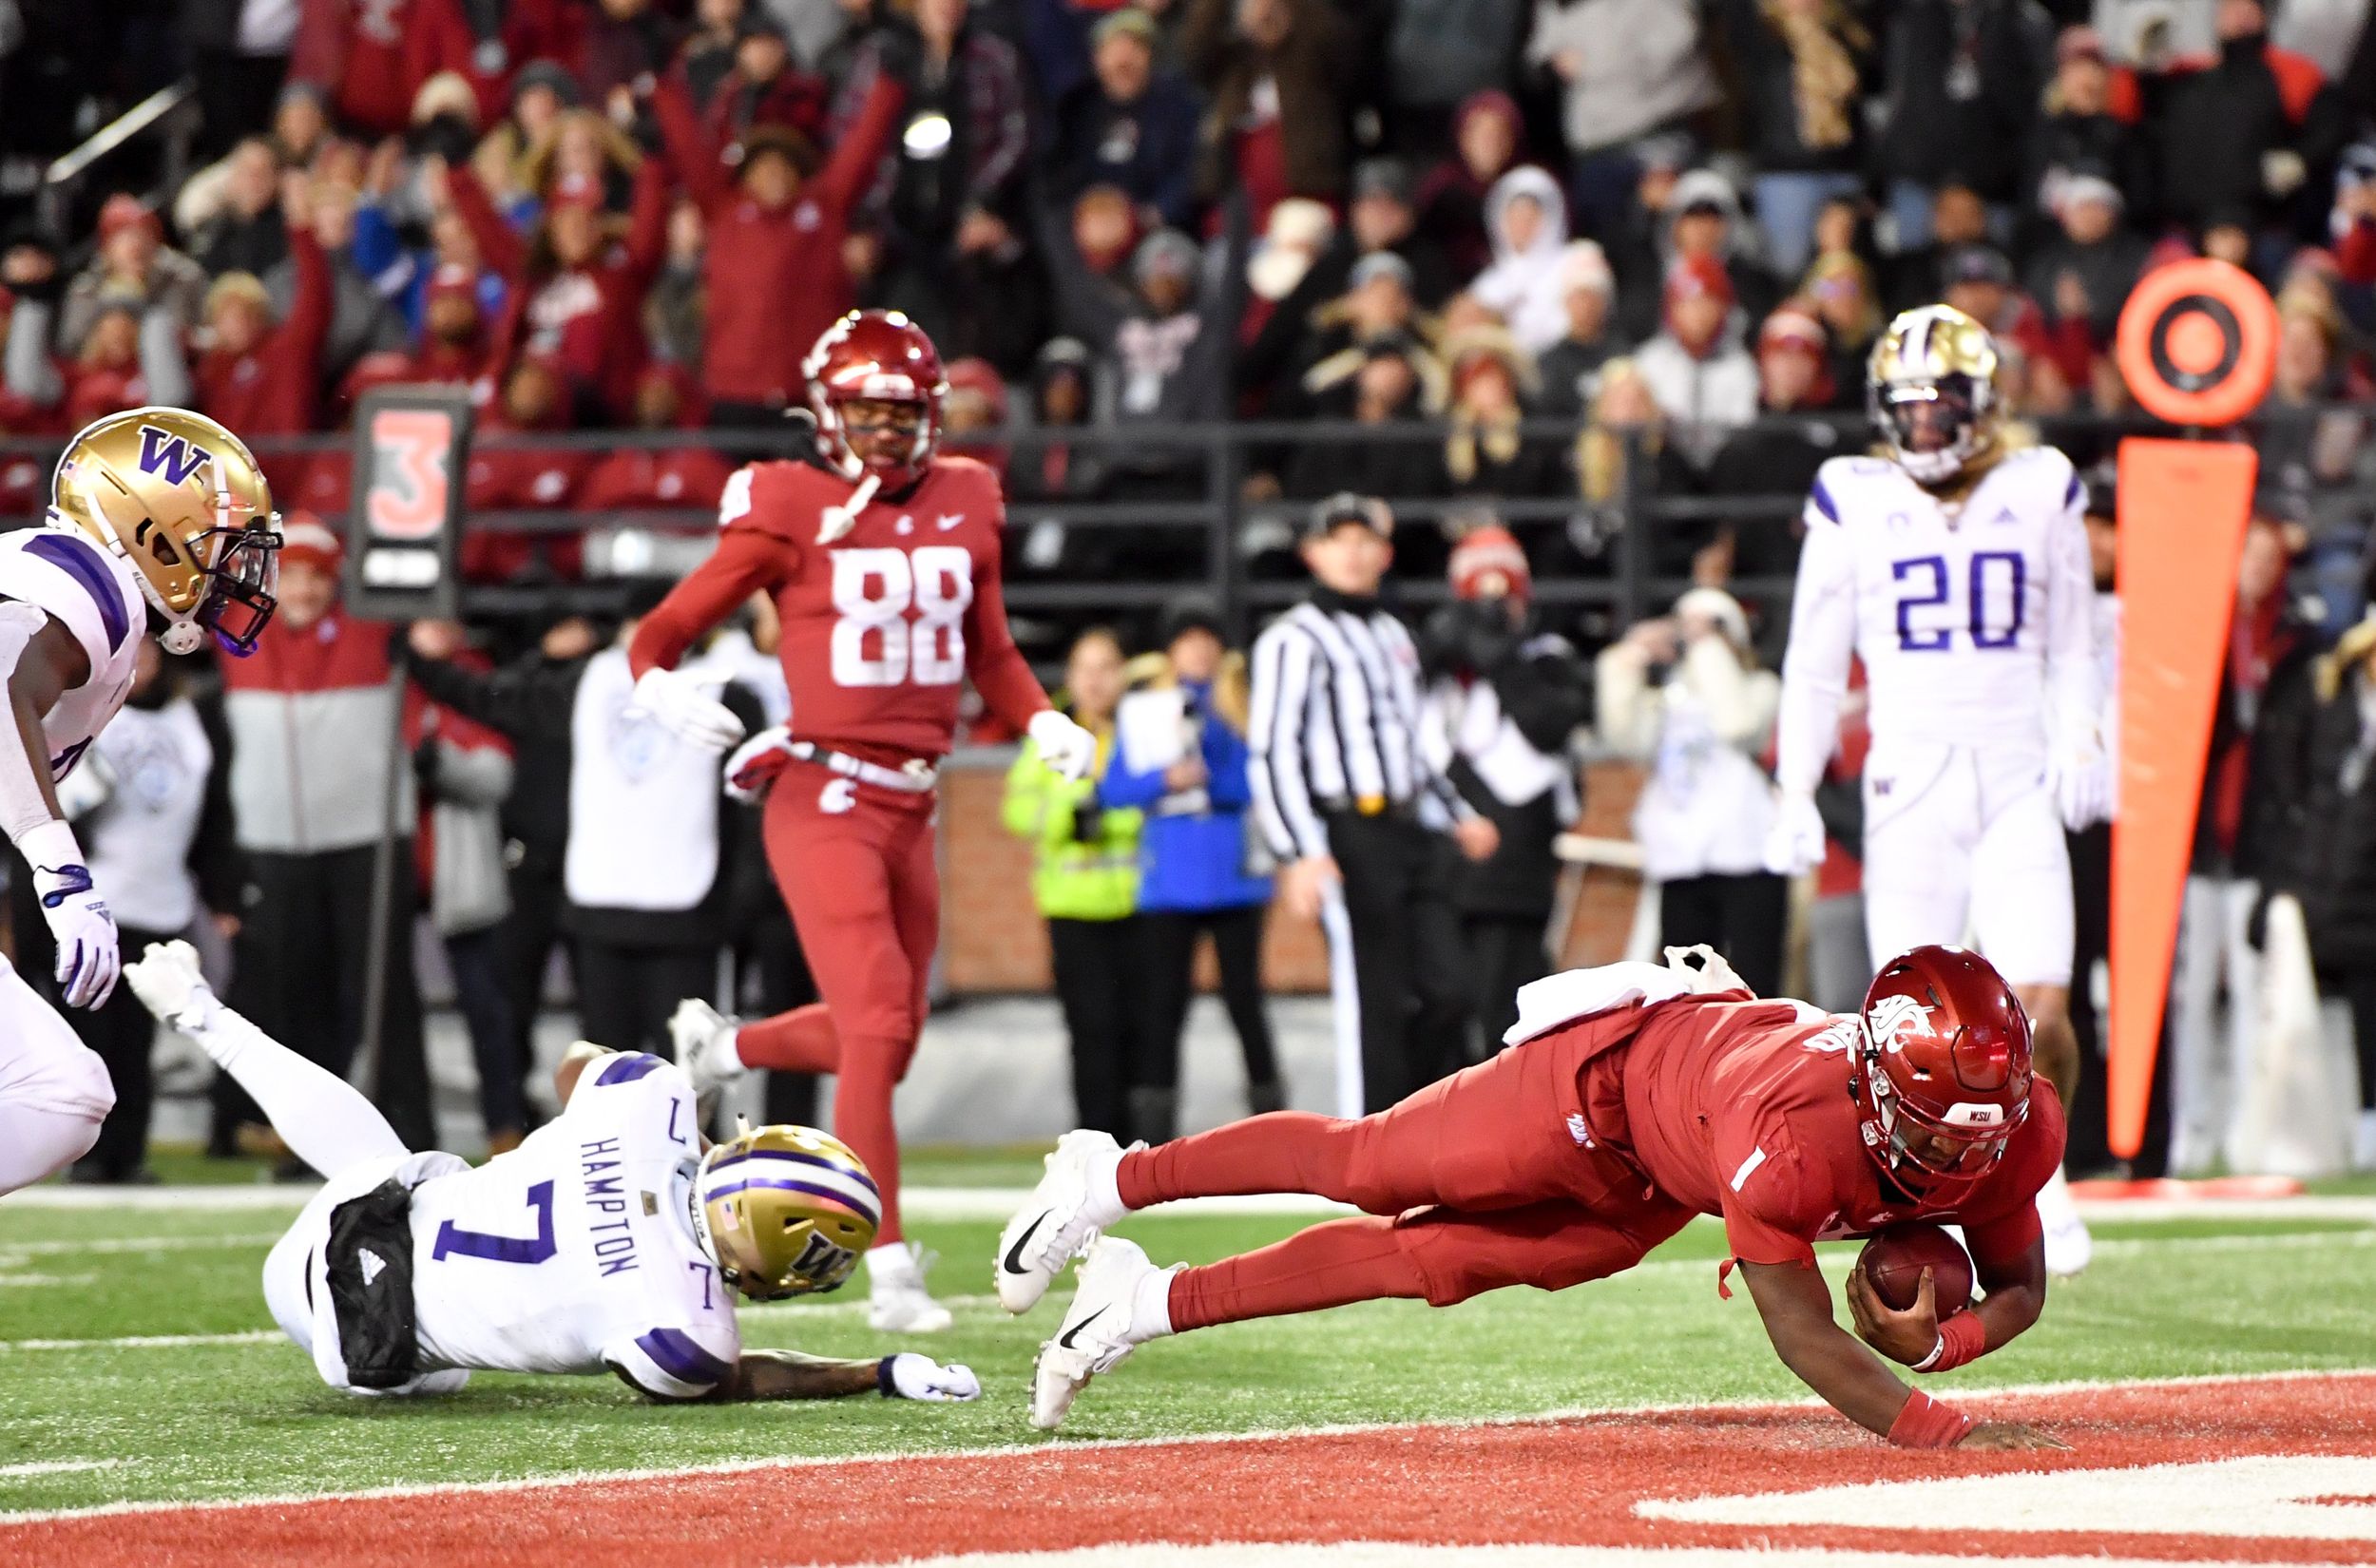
1474, 1183
855, 867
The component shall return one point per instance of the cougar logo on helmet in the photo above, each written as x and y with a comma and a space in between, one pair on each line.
1895, 1019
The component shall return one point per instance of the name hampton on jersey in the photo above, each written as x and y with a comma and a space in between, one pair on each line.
1951, 605
576, 1250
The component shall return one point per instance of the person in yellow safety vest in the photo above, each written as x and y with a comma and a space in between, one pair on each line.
1084, 880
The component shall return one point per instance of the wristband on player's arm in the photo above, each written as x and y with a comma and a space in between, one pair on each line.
1961, 1338
884, 1383
1923, 1423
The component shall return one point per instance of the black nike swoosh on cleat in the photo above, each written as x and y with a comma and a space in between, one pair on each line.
1067, 1338
1014, 1253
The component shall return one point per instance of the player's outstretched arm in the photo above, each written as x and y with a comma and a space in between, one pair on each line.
1795, 1305
41, 661
788, 1374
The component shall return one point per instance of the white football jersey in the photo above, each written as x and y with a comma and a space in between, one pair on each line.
95, 596
576, 1250
1973, 623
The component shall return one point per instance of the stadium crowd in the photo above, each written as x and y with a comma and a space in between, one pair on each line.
1537, 247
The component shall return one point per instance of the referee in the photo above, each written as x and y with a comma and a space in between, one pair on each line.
1355, 816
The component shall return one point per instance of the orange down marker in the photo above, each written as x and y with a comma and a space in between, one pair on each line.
2197, 345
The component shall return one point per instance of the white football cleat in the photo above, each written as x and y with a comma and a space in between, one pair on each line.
897, 1303
1097, 1334
2069, 1246
1060, 1222
704, 1039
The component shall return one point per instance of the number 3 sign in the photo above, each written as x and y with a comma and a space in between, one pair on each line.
412, 445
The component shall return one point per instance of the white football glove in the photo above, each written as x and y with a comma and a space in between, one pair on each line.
169, 982
756, 762
86, 932
1064, 746
914, 1376
704, 1039
2082, 781
1794, 843
676, 700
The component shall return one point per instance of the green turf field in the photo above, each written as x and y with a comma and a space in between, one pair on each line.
224, 1417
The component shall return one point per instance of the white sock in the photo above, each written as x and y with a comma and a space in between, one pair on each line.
324, 1120
893, 1266
1106, 1206
1151, 1305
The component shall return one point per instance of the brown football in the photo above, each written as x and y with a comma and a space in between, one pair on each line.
1894, 1259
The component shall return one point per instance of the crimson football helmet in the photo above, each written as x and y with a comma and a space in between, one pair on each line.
1942, 1070
876, 357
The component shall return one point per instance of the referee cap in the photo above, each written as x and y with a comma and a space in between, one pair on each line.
1345, 506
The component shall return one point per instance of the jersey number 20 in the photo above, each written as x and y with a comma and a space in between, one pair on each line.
875, 643
1928, 582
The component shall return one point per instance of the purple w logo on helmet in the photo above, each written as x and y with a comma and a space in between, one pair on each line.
162, 451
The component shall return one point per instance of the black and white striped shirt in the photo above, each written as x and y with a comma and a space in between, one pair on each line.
1334, 725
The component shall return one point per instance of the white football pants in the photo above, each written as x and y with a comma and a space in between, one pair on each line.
54, 1091
1965, 841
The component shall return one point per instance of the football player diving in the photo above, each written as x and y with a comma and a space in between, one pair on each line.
610, 1238
1631, 1098
159, 524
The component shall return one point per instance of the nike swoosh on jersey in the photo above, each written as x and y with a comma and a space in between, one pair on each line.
1014, 1253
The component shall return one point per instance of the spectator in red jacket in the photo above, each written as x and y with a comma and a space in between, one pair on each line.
355, 51
261, 378
775, 267
453, 334
505, 478
690, 476
576, 297
763, 85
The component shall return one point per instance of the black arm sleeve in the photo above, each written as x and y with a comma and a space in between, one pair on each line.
527, 700
215, 858
1547, 696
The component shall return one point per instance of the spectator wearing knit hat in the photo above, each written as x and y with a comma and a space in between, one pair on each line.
1704, 381
1131, 123
1485, 454
775, 264
1571, 367
1487, 132
1503, 699
1777, 456
454, 340
133, 263
2082, 133
1381, 218
1379, 303
1389, 381
2082, 277
262, 376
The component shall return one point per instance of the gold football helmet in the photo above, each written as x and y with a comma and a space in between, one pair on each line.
786, 1210
1932, 391
182, 500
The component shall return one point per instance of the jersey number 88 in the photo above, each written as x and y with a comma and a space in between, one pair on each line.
873, 592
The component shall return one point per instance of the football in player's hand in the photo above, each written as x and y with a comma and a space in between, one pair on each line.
1894, 1259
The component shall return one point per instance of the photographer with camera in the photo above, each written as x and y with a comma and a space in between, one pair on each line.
1683, 693
1084, 880
1503, 698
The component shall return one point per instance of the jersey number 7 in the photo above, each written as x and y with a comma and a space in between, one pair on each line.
453, 1239
1928, 577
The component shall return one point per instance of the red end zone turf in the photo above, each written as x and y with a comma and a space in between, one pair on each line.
1600, 1481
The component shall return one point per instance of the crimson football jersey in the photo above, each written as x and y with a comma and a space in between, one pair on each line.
1741, 1109
882, 626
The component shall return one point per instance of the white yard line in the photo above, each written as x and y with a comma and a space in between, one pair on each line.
133, 1243
777, 1462
57, 1467
145, 1341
